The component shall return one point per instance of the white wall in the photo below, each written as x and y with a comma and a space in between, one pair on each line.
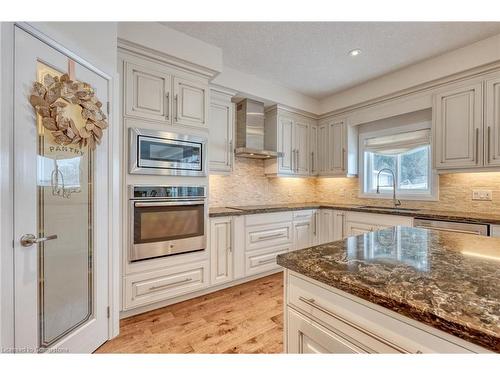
172, 42
94, 41
473, 55
252, 86
184, 47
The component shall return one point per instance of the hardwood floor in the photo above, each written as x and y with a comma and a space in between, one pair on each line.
246, 318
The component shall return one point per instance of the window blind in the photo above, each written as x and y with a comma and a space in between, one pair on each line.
398, 143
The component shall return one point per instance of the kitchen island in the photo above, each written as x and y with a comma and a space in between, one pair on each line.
398, 290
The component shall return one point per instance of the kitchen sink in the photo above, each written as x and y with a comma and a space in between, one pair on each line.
390, 208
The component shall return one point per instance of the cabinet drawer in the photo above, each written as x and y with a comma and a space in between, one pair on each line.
303, 214
146, 288
377, 331
304, 336
378, 220
263, 260
264, 236
270, 218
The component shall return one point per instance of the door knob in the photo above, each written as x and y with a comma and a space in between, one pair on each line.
28, 240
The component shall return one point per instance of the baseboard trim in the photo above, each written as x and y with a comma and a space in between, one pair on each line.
158, 305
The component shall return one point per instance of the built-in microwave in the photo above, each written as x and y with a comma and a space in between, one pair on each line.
166, 153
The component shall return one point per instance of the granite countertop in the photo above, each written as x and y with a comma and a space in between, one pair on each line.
482, 217
447, 280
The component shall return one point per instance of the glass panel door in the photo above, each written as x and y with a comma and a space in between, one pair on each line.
66, 264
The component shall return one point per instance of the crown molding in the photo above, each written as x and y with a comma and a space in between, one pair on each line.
162, 57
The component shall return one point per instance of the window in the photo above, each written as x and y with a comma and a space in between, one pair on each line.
404, 152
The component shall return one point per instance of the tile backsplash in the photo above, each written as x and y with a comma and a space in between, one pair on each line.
248, 185
455, 192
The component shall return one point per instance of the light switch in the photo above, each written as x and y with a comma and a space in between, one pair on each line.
482, 195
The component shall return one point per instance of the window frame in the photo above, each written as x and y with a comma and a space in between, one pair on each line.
432, 194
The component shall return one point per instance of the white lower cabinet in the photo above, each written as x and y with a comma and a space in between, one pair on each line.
326, 229
304, 336
264, 260
246, 246
339, 231
354, 228
323, 319
304, 229
357, 223
221, 250
266, 236
149, 287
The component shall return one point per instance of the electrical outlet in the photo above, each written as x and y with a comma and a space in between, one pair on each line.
482, 195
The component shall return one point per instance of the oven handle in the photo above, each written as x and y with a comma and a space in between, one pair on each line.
162, 204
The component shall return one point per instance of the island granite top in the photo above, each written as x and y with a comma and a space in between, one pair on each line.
469, 217
447, 280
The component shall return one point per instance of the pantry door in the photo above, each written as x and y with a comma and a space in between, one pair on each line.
61, 213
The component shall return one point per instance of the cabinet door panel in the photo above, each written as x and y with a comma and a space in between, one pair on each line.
492, 116
307, 337
221, 250
338, 225
285, 145
301, 146
314, 150
221, 136
337, 143
323, 149
303, 233
354, 228
326, 228
190, 102
147, 93
263, 260
458, 127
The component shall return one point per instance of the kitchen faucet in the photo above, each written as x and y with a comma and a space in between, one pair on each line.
396, 202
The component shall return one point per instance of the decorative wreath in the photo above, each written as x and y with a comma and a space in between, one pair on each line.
49, 99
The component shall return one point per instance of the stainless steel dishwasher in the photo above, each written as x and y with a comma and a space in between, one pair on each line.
453, 226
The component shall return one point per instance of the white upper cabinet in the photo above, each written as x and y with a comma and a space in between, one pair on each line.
302, 150
492, 122
466, 125
458, 126
290, 135
337, 148
221, 128
286, 150
336, 142
323, 149
314, 149
190, 102
147, 92
163, 93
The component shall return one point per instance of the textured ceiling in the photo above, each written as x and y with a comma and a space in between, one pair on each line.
312, 57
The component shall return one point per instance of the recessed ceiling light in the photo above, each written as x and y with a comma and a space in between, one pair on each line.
355, 52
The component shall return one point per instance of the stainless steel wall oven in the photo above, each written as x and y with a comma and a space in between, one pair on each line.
166, 153
166, 220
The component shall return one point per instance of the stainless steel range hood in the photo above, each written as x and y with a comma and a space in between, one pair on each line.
250, 131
